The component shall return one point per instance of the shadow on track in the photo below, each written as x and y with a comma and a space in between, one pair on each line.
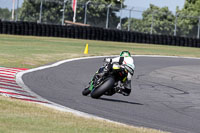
120, 101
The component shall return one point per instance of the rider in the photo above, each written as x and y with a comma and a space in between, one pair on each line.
126, 60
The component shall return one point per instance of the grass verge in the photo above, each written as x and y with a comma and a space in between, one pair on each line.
30, 52
25, 117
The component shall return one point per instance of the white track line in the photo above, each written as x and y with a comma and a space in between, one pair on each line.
12, 88
4, 90
17, 90
9, 84
10, 70
6, 73
7, 80
9, 87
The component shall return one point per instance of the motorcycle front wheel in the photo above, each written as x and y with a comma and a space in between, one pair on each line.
86, 91
98, 92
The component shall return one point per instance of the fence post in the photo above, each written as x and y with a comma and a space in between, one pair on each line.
85, 18
121, 15
13, 10
63, 15
40, 19
108, 12
198, 33
16, 19
175, 25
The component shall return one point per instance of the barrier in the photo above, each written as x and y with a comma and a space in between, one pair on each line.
0, 27
92, 33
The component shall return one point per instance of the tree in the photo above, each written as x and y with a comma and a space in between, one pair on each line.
97, 13
161, 20
52, 11
135, 24
5, 14
189, 18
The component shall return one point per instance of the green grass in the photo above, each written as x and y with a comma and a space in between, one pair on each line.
30, 52
25, 117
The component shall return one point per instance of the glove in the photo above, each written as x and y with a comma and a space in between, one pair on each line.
108, 60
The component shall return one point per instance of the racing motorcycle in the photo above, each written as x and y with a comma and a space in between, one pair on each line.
108, 80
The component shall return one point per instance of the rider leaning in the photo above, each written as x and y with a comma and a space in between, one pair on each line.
126, 60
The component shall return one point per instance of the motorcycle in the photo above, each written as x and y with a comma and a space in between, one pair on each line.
108, 80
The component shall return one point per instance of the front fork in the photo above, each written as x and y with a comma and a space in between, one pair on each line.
91, 85
95, 81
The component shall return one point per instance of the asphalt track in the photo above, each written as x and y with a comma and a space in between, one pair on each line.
165, 95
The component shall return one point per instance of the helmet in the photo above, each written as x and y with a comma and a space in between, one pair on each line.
125, 54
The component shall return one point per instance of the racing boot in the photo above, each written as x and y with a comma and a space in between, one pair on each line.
127, 88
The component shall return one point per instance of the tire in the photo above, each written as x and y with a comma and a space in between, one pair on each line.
85, 92
98, 92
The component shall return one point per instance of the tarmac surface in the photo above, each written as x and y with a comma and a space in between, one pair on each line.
165, 92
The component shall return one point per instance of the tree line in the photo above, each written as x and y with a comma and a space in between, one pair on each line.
186, 21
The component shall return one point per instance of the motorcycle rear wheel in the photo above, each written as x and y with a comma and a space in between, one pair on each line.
98, 92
